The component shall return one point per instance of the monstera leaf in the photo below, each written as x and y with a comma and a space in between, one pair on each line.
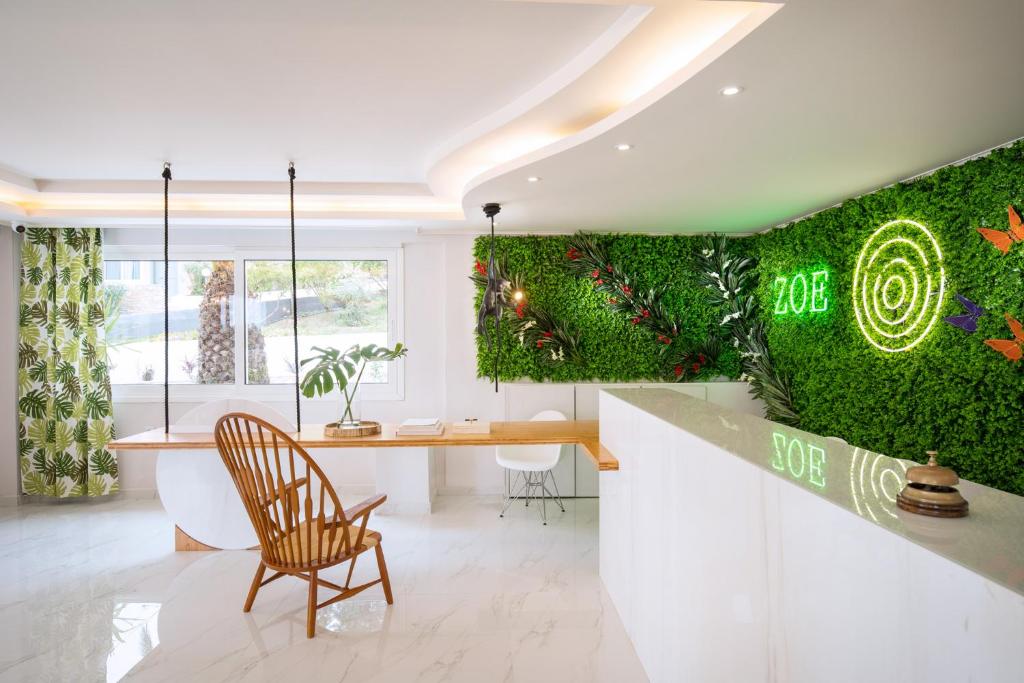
69, 314
100, 434
34, 483
37, 432
63, 436
63, 464
27, 355
35, 275
330, 368
38, 371
102, 462
96, 405
62, 408
33, 404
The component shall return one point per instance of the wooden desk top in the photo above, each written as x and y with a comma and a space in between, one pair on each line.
582, 432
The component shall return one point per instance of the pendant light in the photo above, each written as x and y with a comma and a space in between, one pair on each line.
493, 301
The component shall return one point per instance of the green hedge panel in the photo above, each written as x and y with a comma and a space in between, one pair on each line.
614, 349
951, 392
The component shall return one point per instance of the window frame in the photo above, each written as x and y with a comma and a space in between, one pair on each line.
392, 390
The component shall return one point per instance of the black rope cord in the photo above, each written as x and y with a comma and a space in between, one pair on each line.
497, 315
167, 303
295, 297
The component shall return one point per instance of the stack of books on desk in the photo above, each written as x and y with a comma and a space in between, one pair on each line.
471, 426
421, 426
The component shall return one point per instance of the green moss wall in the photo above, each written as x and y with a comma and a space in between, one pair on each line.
950, 392
613, 349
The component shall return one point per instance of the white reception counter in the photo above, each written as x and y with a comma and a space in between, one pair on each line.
737, 549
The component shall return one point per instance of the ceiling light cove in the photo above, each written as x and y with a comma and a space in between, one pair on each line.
647, 53
425, 133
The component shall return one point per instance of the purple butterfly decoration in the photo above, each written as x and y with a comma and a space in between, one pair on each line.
968, 322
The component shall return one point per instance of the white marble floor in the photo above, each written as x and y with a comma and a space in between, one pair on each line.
94, 592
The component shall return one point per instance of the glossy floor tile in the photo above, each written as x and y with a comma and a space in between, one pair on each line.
94, 592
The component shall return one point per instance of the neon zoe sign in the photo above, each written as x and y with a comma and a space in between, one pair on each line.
802, 292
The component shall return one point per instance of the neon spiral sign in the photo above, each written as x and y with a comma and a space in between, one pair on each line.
898, 286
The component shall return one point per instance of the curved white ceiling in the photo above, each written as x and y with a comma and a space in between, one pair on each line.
353, 91
413, 112
390, 109
840, 98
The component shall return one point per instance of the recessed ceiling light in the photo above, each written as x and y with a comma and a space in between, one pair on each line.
533, 179
731, 90
623, 146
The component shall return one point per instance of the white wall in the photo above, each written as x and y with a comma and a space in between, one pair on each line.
8, 368
440, 377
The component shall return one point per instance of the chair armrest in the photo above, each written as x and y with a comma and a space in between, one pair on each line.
361, 509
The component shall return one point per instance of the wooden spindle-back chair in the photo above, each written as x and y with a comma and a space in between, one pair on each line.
301, 526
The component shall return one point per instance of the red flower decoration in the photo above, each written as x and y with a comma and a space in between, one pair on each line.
701, 358
599, 281
635, 321
663, 339
540, 343
519, 309
608, 267
480, 268
612, 300
647, 314
626, 289
546, 334
678, 370
572, 254
696, 367
596, 273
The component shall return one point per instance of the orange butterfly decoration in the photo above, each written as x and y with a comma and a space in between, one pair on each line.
1004, 240
1011, 348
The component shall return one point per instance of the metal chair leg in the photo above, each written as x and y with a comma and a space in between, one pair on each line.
543, 499
514, 496
559, 495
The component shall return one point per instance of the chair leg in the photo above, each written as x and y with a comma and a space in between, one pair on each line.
351, 569
516, 495
554, 483
311, 605
384, 580
543, 499
256, 581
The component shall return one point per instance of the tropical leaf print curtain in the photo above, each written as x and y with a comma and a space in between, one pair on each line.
64, 403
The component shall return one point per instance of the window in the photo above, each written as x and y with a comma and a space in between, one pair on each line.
200, 321
340, 303
344, 298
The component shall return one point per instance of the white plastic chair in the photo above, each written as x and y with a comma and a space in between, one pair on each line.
532, 466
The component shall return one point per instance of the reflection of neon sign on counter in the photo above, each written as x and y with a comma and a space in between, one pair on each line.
801, 293
800, 460
874, 482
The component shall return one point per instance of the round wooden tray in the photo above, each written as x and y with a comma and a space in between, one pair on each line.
365, 428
